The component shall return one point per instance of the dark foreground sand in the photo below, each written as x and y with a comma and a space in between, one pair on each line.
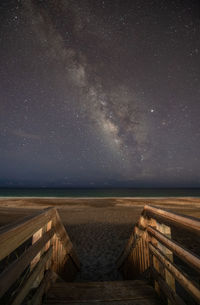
100, 227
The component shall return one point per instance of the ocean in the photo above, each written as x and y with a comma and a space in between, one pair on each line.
137, 192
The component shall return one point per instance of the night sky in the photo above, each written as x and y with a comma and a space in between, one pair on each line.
100, 93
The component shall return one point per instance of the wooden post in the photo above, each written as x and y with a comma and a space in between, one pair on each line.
54, 256
35, 238
165, 230
35, 261
139, 255
153, 260
48, 227
48, 244
41, 229
137, 258
145, 253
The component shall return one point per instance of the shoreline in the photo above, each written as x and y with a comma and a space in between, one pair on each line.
103, 198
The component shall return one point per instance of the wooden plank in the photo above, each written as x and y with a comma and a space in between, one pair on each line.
54, 255
104, 291
136, 267
35, 238
17, 217
144, 301
33, 275
165, 230
13, 236
170, 293
48, 228
14, 270
180, 277
63, 236
49, 279
139, 255
132, 242
186, 255
146, 250
154, 261
192, 224
49, 243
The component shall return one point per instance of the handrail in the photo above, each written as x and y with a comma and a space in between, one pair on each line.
32, 277
12, 272
151, 248
15, 235
177, 249
188, 285
181, 220
50, 250
174, 298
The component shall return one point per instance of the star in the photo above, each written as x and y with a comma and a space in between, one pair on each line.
86, 83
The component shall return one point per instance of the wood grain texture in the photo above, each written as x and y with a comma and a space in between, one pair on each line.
153, 249
179, 276
49, 279
51, 249
33, 275
116, 302
13, 236
63, 236
190, 223
101, 292
166, 289
12, 273
186, 255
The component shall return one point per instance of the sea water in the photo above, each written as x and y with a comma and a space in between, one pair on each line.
94, 192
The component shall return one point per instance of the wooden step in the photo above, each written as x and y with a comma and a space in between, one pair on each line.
118, 292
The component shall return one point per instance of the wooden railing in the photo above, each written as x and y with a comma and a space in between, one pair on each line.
32, 253
152, 252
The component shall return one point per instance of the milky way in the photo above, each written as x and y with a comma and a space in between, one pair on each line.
100, 93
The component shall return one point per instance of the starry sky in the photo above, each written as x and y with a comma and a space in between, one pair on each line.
100, 93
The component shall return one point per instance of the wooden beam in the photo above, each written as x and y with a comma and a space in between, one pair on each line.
168, 291
14, 270
33, 275
11, 238
36, 236
180, 277
186, 255
55, 256
166, 231
192, 224
49, 278
64, 238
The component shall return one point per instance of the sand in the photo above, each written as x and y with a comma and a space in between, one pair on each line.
100, 227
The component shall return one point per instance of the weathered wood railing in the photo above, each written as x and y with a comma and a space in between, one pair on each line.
32, 252
151, 250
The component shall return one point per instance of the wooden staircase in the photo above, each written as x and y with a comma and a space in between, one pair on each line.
38, 264
96, 293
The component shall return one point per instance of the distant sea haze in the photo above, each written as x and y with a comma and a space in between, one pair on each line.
104, 192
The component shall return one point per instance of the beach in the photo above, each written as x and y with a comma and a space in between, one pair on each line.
100, 227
